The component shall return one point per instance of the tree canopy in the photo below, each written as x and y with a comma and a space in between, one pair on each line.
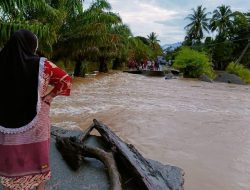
227, 34
67, 31
199, 23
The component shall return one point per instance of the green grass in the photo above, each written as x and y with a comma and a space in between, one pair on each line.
240, 71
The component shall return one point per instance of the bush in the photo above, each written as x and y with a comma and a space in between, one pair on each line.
193, 63
240, 71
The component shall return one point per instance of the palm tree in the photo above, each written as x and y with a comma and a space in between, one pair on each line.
64, 27
113, 33
123, 33
154, 44
139, 50
37, 16
199, 23
152, 37
94, 34
222, 20
114, 46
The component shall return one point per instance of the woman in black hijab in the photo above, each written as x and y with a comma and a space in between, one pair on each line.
24, 111
18, 72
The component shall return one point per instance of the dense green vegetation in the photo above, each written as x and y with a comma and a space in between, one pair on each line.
239, 70
222, 34
75, 37
193, 63
83, 40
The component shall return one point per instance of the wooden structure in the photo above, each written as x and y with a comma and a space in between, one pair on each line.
123, 160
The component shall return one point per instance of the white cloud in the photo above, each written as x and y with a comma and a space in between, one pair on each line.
164, 17
146, 18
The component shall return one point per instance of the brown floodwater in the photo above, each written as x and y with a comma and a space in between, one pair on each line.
204, 128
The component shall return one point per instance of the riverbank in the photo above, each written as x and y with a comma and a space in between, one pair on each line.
198, 126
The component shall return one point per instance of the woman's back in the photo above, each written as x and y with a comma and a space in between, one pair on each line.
24, 112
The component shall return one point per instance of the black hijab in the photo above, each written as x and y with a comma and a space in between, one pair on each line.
19, 70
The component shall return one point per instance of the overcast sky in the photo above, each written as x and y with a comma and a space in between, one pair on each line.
165, 17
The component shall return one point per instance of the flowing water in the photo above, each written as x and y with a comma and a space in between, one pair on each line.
204, 128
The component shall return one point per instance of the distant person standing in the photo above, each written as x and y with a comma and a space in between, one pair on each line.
157, 65
24, 112
144, 64
152, 65
149, 65
130, 64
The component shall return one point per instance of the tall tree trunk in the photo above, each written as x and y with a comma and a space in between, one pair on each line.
117, 64
103, 65
77, 70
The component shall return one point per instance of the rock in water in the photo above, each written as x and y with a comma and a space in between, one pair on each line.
93, 174
169, 76
205, 78
229, 78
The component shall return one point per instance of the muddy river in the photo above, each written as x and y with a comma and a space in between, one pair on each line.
201, 127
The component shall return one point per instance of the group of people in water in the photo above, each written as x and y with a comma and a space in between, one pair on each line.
152, 65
